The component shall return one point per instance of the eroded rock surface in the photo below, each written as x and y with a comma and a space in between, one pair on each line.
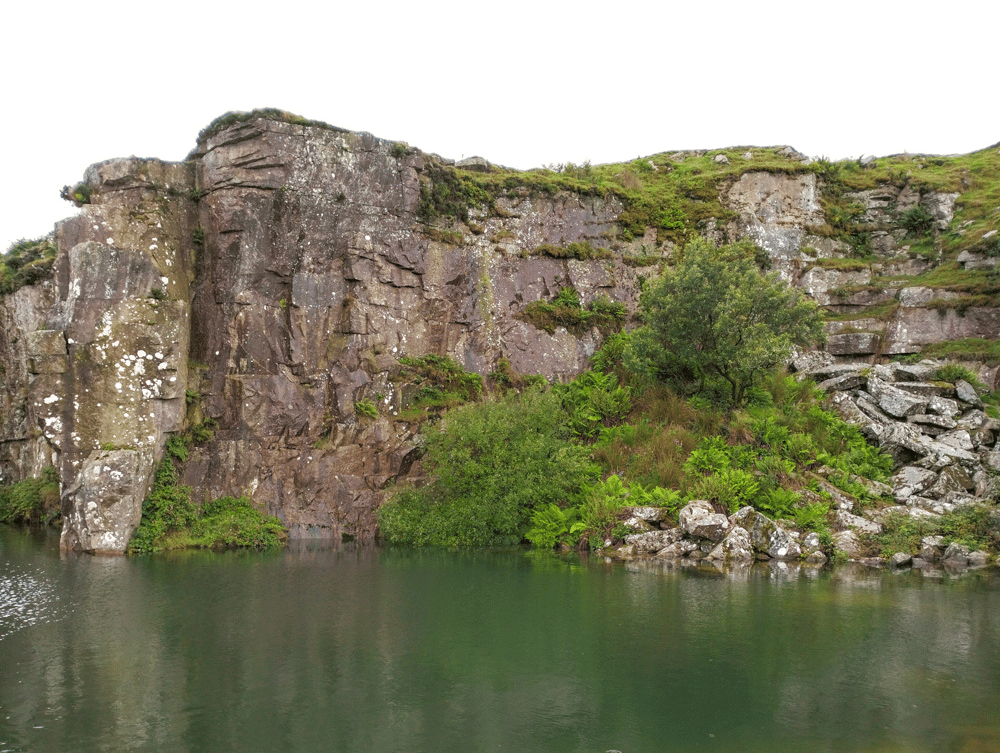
264, 287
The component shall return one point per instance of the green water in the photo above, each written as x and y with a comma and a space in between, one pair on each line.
357, 649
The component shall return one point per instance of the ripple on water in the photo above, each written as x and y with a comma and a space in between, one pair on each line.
27, 598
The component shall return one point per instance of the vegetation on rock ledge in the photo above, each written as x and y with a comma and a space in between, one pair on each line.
26, 262
32, 501
170, 520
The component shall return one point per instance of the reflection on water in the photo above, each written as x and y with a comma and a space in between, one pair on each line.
353, 648
26, 598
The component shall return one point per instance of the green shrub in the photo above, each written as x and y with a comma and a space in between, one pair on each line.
778, 503
367, 408
26, 262
917, 221
551, 525
31, 501
812, 517
168, 508
178, 447
565, 311
580, 250
599, 511
714, 315
171, 521
491, 463
594, 400
444, 373
710, 456
733, 488
953, 372
233, 523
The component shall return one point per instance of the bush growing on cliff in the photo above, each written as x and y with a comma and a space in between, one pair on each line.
565, 311
30, 501
715, 315
491, 464
171, 521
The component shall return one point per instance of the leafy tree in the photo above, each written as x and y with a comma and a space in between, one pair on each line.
715, 314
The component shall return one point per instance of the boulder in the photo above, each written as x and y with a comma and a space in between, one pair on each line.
988, 482
653, 541
931, 548
951, 479
943, 406
978, 558
932, 424
679, 548
967, 394
652, 515
736, 546
958, 438
956, 554
698, 518
848, 543
916, 372
103, 507
623, 552
923, 389
894, 401
810, 362
766, 536
833, 370
976, 419
843, 382
900, 559
844, 519
925, 507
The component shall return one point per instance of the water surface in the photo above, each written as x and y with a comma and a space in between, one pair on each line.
360, 649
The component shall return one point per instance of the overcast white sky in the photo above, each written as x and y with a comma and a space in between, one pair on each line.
520, 82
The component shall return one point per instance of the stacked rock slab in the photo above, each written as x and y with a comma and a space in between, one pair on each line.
943, 445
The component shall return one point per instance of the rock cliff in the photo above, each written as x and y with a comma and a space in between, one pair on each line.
261, 289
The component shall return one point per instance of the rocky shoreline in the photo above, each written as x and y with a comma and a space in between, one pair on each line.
945, 460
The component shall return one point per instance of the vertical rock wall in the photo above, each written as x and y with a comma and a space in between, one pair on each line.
316, 278
97, 357
262, 288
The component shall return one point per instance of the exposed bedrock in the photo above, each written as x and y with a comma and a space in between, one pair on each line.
262, 288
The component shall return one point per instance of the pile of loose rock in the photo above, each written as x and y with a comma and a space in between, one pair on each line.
945, 454
703, 533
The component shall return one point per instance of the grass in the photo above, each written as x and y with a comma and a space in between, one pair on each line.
579, 250
565, 311
26, 262
968, 349
974, 527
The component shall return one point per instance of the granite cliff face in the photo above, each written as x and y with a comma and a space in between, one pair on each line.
261, 289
